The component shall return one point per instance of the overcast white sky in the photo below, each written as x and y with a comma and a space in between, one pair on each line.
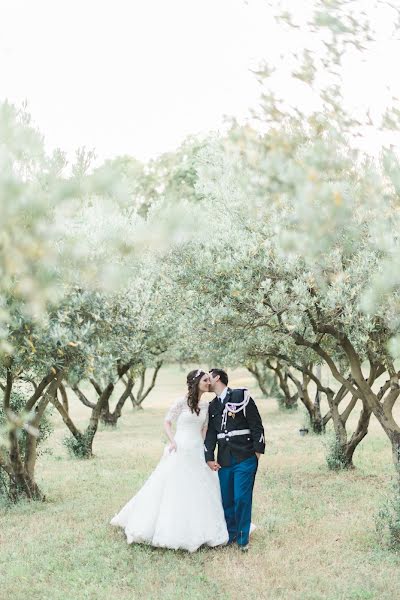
137, 76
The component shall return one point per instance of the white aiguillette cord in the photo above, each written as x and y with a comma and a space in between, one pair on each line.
235, 407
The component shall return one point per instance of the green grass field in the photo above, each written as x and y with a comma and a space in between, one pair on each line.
315, 538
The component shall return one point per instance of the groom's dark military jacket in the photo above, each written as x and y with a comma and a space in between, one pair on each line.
240, 446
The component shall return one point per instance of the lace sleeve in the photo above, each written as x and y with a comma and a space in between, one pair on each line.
174, 411
205, 424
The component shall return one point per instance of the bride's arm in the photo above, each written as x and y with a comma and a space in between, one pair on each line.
205, 427
171, 417
170, 434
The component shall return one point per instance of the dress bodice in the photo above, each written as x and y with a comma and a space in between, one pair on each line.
181, 414
189, 425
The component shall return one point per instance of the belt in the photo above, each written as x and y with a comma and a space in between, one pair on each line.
221, 436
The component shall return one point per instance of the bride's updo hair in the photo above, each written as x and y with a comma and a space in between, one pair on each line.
193, 380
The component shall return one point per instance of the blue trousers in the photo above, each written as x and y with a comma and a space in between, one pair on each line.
237, 482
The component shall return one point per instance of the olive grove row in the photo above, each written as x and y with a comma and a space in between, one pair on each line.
274, 246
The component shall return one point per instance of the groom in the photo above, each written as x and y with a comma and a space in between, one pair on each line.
235, 424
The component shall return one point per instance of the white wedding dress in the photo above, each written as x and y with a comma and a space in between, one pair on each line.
180, 504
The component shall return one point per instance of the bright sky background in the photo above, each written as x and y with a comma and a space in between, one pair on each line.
137, 76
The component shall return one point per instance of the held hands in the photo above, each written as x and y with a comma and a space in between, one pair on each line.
172, 447
214, 466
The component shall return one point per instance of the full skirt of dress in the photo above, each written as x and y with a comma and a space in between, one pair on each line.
178, 507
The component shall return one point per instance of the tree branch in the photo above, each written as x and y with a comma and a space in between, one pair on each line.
152, 384
83, 398
39, 390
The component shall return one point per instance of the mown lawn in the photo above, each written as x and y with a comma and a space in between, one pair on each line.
315, 538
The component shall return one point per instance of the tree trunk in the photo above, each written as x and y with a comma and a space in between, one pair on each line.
95, 416
358, 435
23, 486
111, 418
66, 418
123, 398
380, 404
107, 417
79, 447
81, 444
21, 483
395, 442
289, 401
21, 471
286, 399
31, 445
341, 454
64, 397
143, 392
81, 396
313, 408
264, 379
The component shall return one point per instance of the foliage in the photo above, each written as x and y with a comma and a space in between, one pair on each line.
335, 458
387, 520
17, 404
274, 241
78, 447
299, 237
45, 427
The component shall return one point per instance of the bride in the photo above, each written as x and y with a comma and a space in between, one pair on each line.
180, 504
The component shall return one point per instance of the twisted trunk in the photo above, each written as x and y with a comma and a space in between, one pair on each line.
345, 448
359, 433
82, 447
143, 392
264, 380
81, 396
64, 397
21, 483
313, 407
288, 401
81, 443
361, 388
20, 465
111, 418
341, 454
105, 414
95, 416
67, 419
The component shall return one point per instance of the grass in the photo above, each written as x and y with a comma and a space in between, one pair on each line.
315, 539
